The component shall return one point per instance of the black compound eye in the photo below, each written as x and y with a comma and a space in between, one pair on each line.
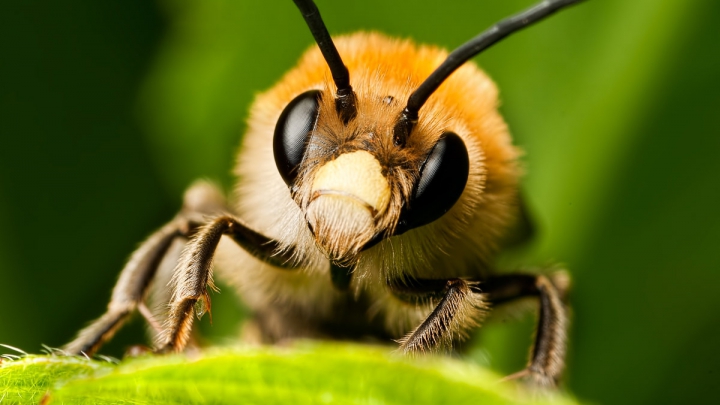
442, 180
292, 133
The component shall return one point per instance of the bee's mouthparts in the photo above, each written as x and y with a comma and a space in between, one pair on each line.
348, 193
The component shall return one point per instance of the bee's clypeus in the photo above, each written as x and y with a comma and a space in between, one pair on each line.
376, 189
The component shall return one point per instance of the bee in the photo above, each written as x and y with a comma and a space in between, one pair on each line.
377, 184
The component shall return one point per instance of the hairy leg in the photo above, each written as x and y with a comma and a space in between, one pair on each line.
193, 275
459, 308
200, 199
547, 360
129, 291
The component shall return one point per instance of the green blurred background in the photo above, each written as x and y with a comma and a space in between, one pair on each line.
108, 110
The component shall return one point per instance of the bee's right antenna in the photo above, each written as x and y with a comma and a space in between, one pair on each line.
345, 96
409, 116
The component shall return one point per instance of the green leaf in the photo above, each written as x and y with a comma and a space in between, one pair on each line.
27, 380
304, 374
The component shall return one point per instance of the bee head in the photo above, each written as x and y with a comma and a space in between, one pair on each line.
354, 184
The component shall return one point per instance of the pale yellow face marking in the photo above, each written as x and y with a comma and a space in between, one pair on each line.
357, 173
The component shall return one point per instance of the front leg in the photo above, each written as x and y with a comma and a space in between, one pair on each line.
193, 275
201, 200
136, 277
461, 305
460, 308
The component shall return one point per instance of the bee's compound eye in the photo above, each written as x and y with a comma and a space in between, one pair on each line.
442, 180
292, 132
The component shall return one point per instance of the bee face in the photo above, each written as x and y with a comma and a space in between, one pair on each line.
352, 184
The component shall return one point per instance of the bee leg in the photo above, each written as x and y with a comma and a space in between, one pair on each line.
128, 292
548, 354
459, 309
193, 275
135, 278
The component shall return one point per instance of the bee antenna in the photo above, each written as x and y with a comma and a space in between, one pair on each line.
345, 100
409, 116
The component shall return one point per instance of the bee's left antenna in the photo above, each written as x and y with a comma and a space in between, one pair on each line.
409, 116
345, 96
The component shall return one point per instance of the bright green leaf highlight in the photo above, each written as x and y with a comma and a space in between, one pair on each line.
27, 380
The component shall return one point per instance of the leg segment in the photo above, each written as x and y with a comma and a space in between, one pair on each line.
201, 200
548, 355
129, 291
193, 274
460, 308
